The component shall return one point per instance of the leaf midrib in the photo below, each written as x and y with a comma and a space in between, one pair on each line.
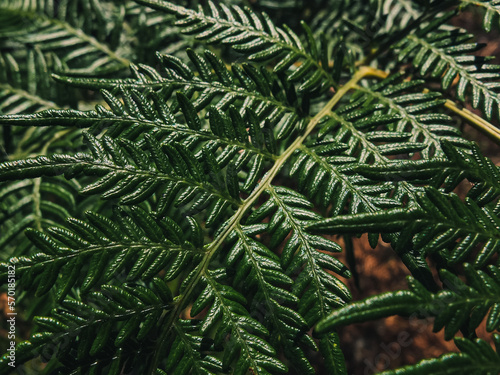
247, 204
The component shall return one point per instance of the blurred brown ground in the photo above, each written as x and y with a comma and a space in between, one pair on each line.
392, 342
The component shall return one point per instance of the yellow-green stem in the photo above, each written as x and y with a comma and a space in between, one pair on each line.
475, 121
238, 215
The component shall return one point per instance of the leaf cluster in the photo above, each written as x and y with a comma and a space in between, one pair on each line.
175, 178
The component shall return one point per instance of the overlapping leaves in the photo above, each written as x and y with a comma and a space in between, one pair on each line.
113, 328
196, 140
242, 335
447, 55
258, 273
126, 173
449, 172
57, 29
457, 305
256, 36
273, 99
91, 253
289, 213
33, 204
439, 223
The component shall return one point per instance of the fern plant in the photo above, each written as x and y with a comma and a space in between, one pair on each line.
187, 223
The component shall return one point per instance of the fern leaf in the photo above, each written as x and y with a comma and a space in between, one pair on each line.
417, 113
326, 176
444, 54
490, 8
352, 125
334, 358
33, 203
188, 351
54, 31
120, 317
387, 112
318, 288
211, 83
257, 38
236, 329
93, 253
155, 31
120, 174
257, 268
452, 307
140, 112
476, 357
189, 170
448, 172
13, 100
441, 224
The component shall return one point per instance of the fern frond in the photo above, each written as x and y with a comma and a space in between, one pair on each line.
149, 112
257, 268
382, 19
326, 177
54, 30
188, 350
398, 13
241, 334
25, 87
445, 55
133, 176
309, 256
212, 83
374, 28
190, 166
448, 173
133, 241
318, 290
329, 345
491, 9
154, 31
33, 204
359, 125
258, 39
458, 304
14, 100
441, 224
117, 321
419, 113
386, 119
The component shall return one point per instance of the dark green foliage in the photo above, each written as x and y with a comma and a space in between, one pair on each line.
259, 39
447, 172
439, 224
290, 212
258, 269
245, 342
145, 246
455, 305
174, 174
446, 55
268, 94
73, 31
119, 314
